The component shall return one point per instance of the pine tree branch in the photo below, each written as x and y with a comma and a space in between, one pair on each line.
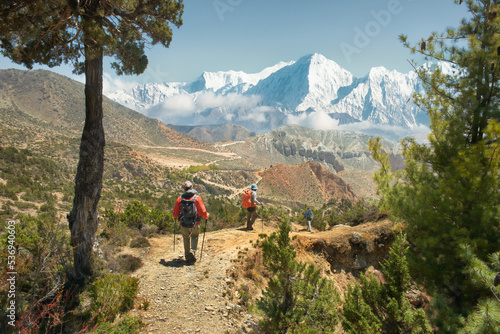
435, 88
67, 14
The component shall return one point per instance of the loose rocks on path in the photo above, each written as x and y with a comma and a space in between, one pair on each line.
185, 298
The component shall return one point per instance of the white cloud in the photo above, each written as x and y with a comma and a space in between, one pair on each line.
392, 132
231, 100
112, 84
259, 117
228, 117
319, 120
178, 105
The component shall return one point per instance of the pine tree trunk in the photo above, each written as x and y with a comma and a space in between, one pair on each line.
83, 218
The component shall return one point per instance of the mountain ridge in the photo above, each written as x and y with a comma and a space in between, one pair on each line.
337, 150
312, 91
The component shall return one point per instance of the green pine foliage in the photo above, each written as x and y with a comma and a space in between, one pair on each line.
122, 28
448, 191
486, 315
374, 307
297, 299
360, 308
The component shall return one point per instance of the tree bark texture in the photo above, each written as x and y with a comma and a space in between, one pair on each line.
83, 218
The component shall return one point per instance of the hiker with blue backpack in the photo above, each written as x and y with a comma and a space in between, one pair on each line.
189, 208
309, 215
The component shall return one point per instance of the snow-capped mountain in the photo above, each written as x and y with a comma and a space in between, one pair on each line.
382, 97
311, 82
231, 81
145, 96
312, 91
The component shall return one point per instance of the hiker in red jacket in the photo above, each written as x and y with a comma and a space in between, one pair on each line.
189, 208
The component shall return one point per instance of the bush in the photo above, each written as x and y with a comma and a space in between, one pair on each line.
112, 294
148, 230
129, 263
140, 242
346, 213
136, 215
43, 262
127, 325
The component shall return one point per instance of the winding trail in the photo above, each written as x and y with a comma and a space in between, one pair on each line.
193, 298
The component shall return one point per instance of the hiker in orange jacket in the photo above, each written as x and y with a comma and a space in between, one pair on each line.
190, 204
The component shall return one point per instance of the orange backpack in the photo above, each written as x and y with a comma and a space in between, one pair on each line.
246, 200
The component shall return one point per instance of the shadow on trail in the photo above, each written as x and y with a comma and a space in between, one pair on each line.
176, 263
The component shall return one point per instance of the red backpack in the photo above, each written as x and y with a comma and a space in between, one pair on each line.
246, 200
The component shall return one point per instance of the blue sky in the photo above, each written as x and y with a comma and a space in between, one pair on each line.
249, 35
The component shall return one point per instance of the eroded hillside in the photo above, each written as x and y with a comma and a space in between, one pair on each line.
309, 183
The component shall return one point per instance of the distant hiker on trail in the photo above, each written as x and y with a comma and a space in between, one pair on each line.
189, 208
249, 201
309, 216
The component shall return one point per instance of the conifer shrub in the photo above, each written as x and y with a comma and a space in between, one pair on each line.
486, 315
346, 212
297, 299
6, 211
116, 235
8, 191
162, 219
447, 192
373, 307
24, 205
136, 215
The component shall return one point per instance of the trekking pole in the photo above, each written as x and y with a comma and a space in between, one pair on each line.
174, 234
205, 231
262, 217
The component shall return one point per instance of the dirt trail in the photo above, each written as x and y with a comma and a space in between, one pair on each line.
184, 162
195, 298
191, 298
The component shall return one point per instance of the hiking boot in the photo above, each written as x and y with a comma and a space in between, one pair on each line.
190, 258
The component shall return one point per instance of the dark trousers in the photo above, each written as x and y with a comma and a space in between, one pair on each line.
251, 216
